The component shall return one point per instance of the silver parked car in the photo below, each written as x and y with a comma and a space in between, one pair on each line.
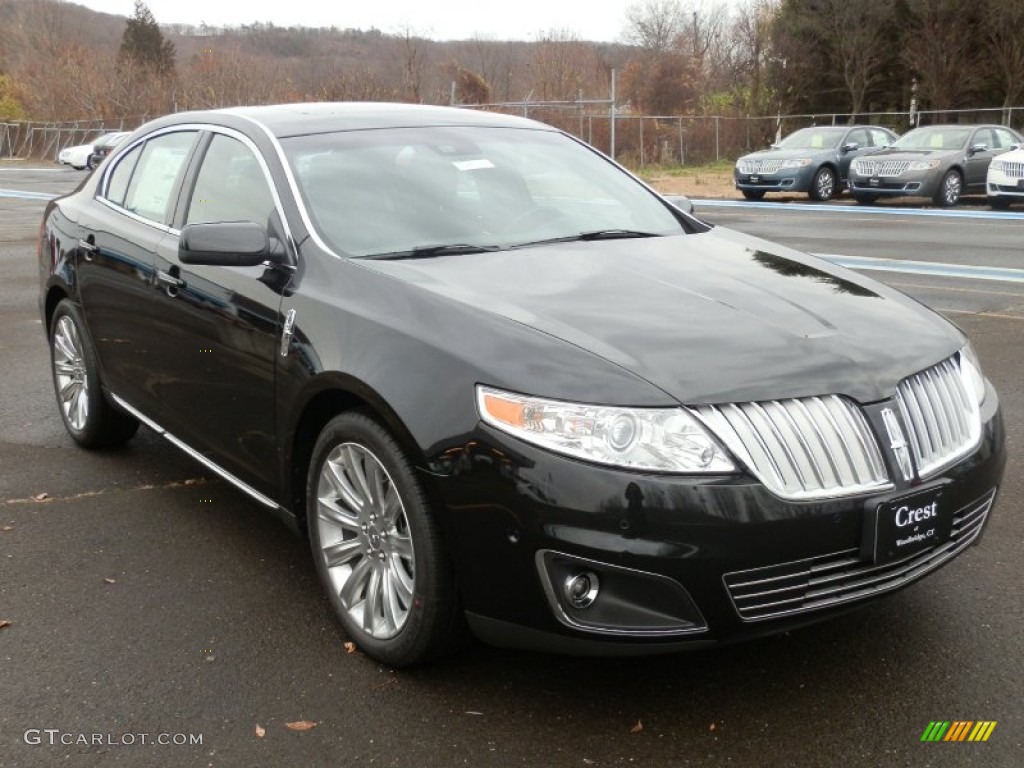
1006, 179
942, 162
812, 160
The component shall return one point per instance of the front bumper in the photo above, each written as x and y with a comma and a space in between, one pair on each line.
905, 185
684, 562
789, 180
1001, 185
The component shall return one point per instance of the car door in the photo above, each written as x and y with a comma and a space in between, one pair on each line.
858, 136
119, 234
976, 165
220, 326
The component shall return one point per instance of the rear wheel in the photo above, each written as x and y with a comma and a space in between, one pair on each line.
753, 194
949, 191
88, 416
377, 548
823, 187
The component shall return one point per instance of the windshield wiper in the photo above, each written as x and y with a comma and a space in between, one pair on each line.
426, 251
597, 234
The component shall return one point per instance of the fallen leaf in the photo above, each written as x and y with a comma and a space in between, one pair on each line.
6, 528
41, 496
260, 731
712, 727
191, 481
637, 728
350, 648
300, 725
110, 581
4, 623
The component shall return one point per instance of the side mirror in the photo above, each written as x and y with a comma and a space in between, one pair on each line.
682, 202
976, 148
227, 244
852, 146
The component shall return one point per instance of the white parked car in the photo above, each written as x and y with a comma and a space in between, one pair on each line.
1005, 182
81, 156
77, 157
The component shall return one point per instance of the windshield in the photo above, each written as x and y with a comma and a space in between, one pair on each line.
390, 191
813, 138
935, 137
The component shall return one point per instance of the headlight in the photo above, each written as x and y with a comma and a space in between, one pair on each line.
798, 163
997, 166
923, 165
970, 370
656, 439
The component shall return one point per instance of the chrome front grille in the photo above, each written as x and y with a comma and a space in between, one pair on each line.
941, 415
828, 580
882, 168
1013, 170
760, 166
807, 448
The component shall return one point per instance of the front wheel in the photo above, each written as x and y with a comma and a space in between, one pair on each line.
999, 203
753, 194
823, 187
949, 191
865, 199
88, 416
377, 547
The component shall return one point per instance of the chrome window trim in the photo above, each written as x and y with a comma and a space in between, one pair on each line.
101, 189
208, 463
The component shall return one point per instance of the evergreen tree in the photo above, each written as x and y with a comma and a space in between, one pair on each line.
144, 44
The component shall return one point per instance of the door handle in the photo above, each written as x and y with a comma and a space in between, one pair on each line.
88, 247
171, 281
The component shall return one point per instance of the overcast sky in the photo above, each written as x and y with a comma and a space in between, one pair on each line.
438, 19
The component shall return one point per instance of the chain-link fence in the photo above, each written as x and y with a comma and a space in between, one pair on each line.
44, 141
634, 140
644, 140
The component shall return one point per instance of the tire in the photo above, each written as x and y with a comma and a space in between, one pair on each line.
90, 419
950, 189
865, 199
999, 203
370, 526
823, 185
753, 194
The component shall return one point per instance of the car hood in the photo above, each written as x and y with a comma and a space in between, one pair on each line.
708, 318
915, 154
787, 154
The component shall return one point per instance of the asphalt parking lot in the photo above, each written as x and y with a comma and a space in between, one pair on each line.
146, 596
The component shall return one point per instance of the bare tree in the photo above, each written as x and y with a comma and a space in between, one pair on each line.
1003, 23
655, 25
938, 46
859, 35
751, 51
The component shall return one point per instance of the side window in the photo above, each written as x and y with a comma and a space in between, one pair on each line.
118, 184
880, 138
1004, 138
858, 137
983, 136
230, 185
156, 176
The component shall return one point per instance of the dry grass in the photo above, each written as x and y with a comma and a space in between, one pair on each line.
697, 181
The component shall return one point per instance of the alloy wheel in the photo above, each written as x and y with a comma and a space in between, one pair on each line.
72, 375
365, 542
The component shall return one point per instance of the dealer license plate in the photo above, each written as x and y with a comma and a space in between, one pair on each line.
909, 525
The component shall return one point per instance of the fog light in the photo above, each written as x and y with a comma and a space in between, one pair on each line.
581, 589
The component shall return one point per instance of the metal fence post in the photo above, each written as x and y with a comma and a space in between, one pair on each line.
717, 155
611, 129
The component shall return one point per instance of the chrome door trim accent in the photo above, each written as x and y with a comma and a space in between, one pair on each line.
287, 331
177, 442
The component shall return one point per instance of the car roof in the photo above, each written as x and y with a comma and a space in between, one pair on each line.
301, 119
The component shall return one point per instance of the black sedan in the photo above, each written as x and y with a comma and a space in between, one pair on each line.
505, 387
812, 160
941, 162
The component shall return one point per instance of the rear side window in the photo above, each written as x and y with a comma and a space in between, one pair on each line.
156, 176
122, 175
